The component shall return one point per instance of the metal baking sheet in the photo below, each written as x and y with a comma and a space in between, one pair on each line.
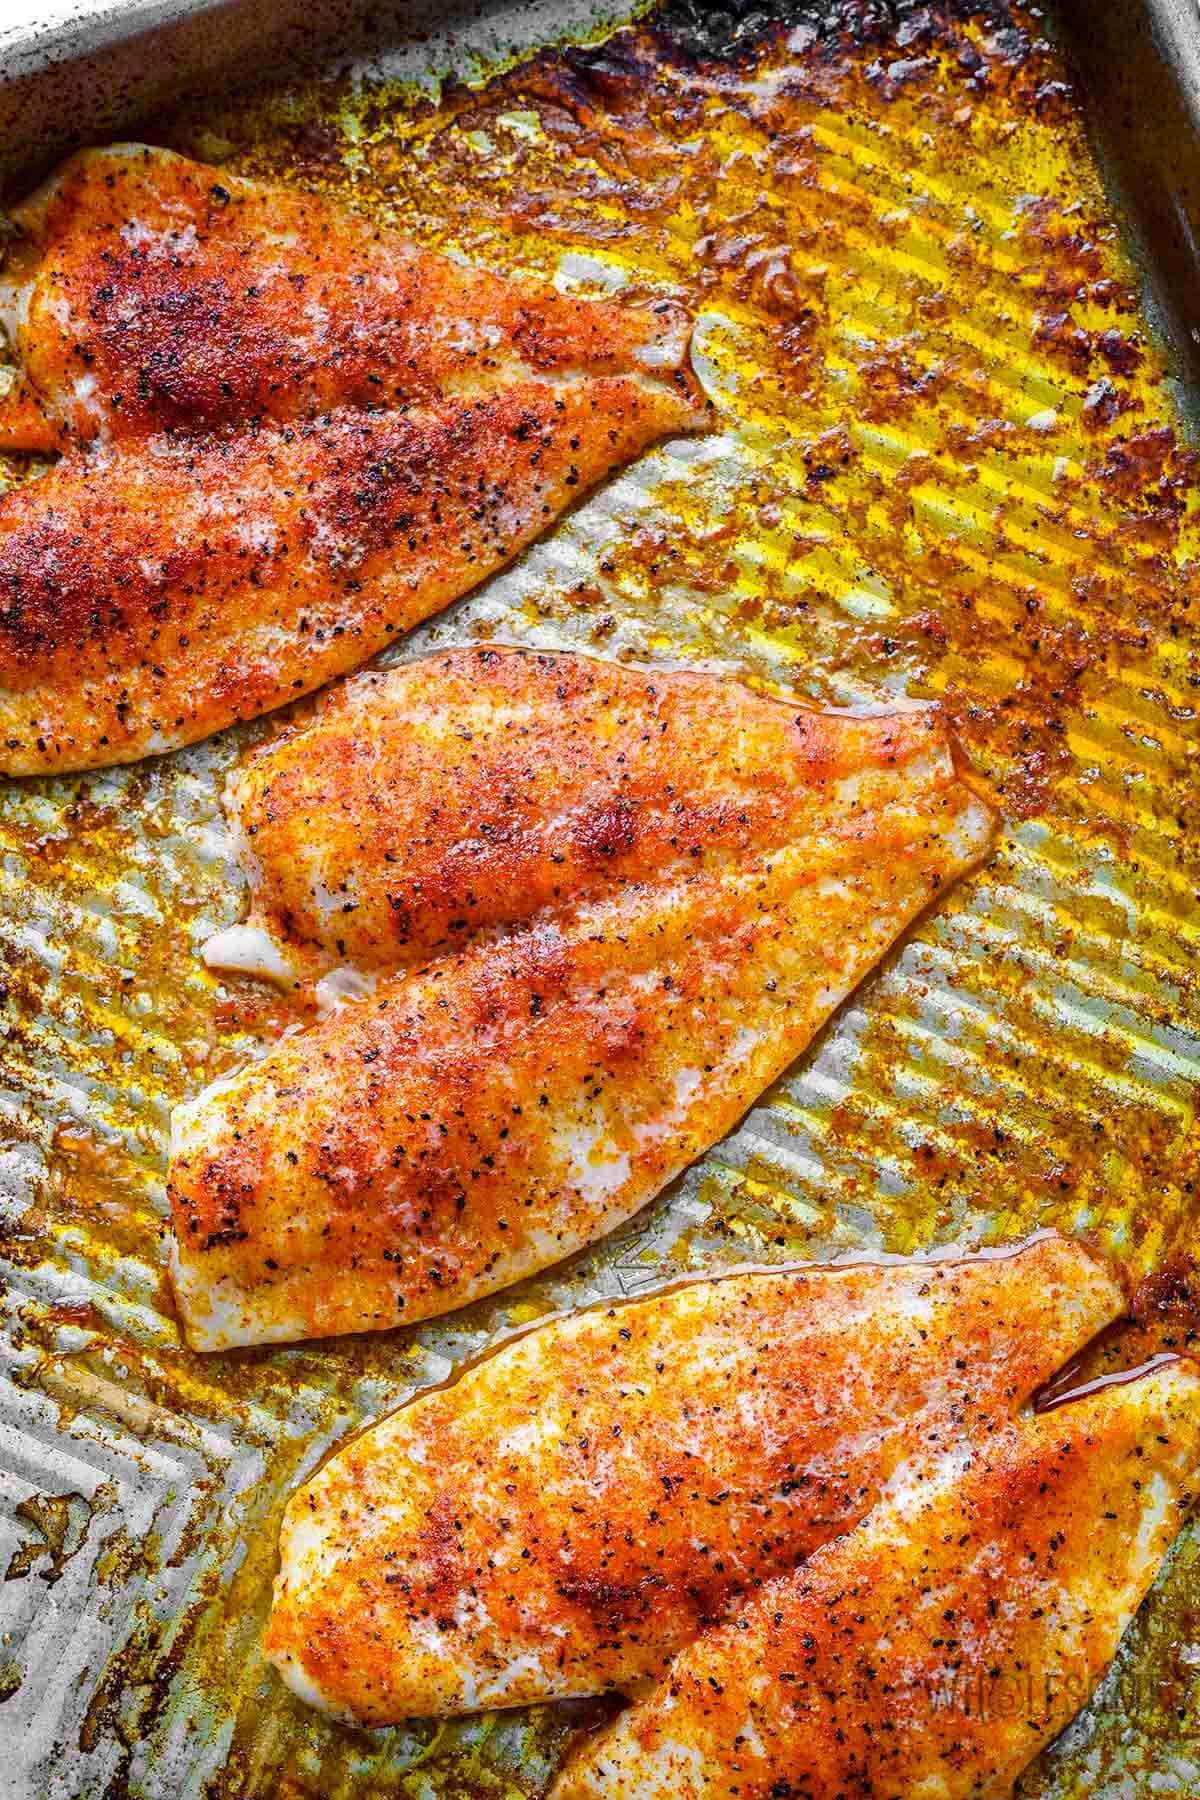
950, 462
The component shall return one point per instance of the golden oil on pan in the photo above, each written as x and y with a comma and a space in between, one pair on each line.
949, 464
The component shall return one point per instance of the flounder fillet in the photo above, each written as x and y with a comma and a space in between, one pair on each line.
486, 1114
937, 1647
574, 1509
481, 787
286, 435
153, 293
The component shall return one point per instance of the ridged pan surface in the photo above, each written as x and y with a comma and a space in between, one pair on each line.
948, 464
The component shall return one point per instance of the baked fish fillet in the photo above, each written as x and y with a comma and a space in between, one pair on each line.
573, 1509
478, 787
150, 595
286, 436
489, 1113
938, 1646
151, 293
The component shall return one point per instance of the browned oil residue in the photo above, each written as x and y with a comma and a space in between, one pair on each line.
59, 1524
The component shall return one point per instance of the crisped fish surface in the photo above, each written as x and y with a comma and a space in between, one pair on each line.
482, 785
483, 1116
575, 1508
286, 435
934, 1649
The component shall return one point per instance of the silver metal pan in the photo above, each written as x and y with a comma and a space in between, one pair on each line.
952, 461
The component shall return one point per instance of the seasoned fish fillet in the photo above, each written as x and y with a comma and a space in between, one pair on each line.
485, 1115
286, 435
150, 595
482, 785
934, 1649
575, 1508
150, 293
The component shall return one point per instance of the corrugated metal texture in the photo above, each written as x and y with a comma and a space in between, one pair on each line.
948, 465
